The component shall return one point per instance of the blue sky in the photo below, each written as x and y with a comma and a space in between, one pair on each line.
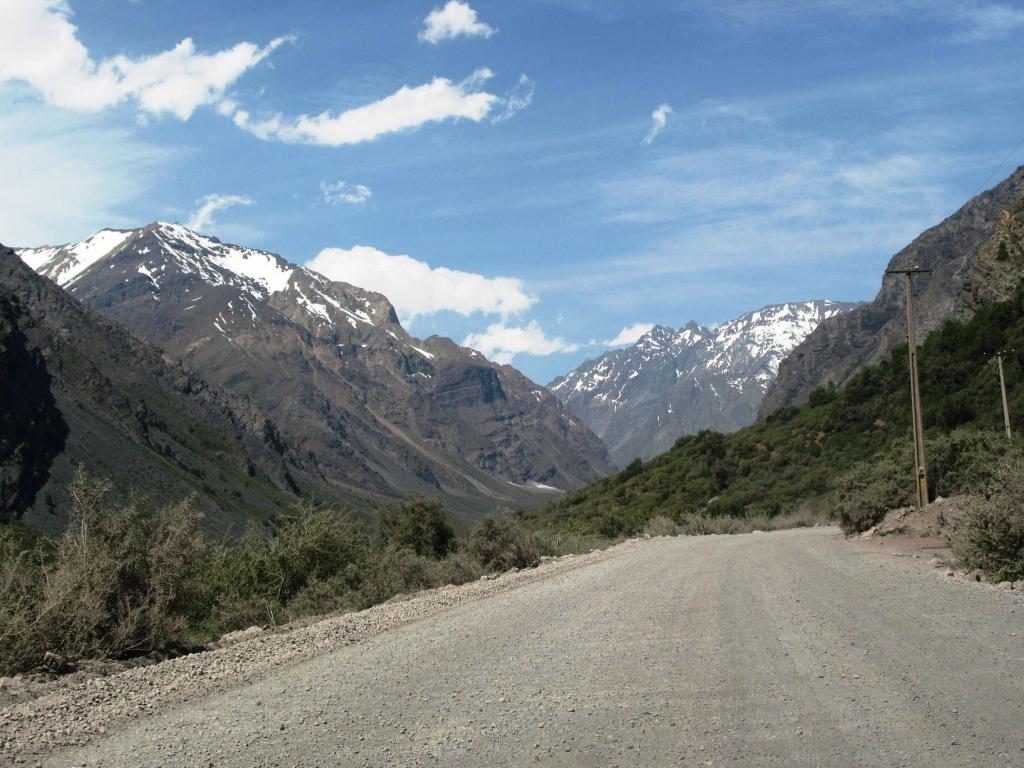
554, 172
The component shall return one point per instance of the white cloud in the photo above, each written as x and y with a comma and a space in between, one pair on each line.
502, 343
341, 192
202, 219
416, 288
659, 119
41, 47
406, 109
628, 335
453, 20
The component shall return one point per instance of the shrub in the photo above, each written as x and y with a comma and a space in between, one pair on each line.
871, 488
662, 526
394, 572
118, 582
964, 461
255, 580
21, 581
420, 525
990, 535
500, 544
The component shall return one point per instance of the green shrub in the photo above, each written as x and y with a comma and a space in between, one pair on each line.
420, 525
254, 580
990, 535
499, 544
871, 488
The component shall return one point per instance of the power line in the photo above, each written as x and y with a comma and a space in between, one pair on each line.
1001, 164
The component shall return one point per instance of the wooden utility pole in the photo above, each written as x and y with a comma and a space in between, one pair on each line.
920, 464
1002, 386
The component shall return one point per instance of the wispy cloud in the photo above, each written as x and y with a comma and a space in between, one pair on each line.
416, 288
406, 109
62, 193
971, 21
503, 343
659, 119
987, 22
41, 48
202, 219
343, 193
516, 100
454, 19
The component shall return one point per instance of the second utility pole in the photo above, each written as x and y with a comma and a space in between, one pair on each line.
920, 465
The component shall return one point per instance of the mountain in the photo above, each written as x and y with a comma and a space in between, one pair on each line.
846, 453
640, 399
840, 347
368, 408
79, 389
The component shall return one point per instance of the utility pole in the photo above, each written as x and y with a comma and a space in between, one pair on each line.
920, 465
1002, 385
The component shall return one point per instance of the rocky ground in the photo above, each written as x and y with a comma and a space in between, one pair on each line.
792, 648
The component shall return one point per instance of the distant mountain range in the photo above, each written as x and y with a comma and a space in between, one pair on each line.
369, 411
965, 274
642, 398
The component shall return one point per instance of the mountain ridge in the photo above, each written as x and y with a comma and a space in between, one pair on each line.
368, 407
640, 399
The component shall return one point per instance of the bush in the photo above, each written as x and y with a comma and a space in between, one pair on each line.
500, 544
118, 582
420, 525
662, 526
871, 488
990, 535
255, 580
21, 581
395, 572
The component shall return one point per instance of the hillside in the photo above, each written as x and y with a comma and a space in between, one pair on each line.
369, 408
79, 389
639, 399
855, 437
840, 347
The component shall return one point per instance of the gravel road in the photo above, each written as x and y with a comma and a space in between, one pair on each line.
794, 648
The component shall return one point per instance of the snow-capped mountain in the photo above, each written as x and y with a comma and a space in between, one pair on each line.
367, 406
640, 399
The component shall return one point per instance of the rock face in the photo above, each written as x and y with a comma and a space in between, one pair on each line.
642, 398
79, 389
368, 408
843, 345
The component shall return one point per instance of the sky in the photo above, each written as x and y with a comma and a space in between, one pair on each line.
540, 180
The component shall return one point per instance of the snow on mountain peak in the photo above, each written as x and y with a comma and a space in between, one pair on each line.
639, 399
65, 263
270, 272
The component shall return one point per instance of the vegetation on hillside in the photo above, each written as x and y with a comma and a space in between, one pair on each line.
847, 450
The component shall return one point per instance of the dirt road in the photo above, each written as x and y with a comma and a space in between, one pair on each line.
784, 649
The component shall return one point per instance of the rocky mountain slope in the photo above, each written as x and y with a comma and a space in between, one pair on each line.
368, 408
843, 345
640, 399
79, 389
